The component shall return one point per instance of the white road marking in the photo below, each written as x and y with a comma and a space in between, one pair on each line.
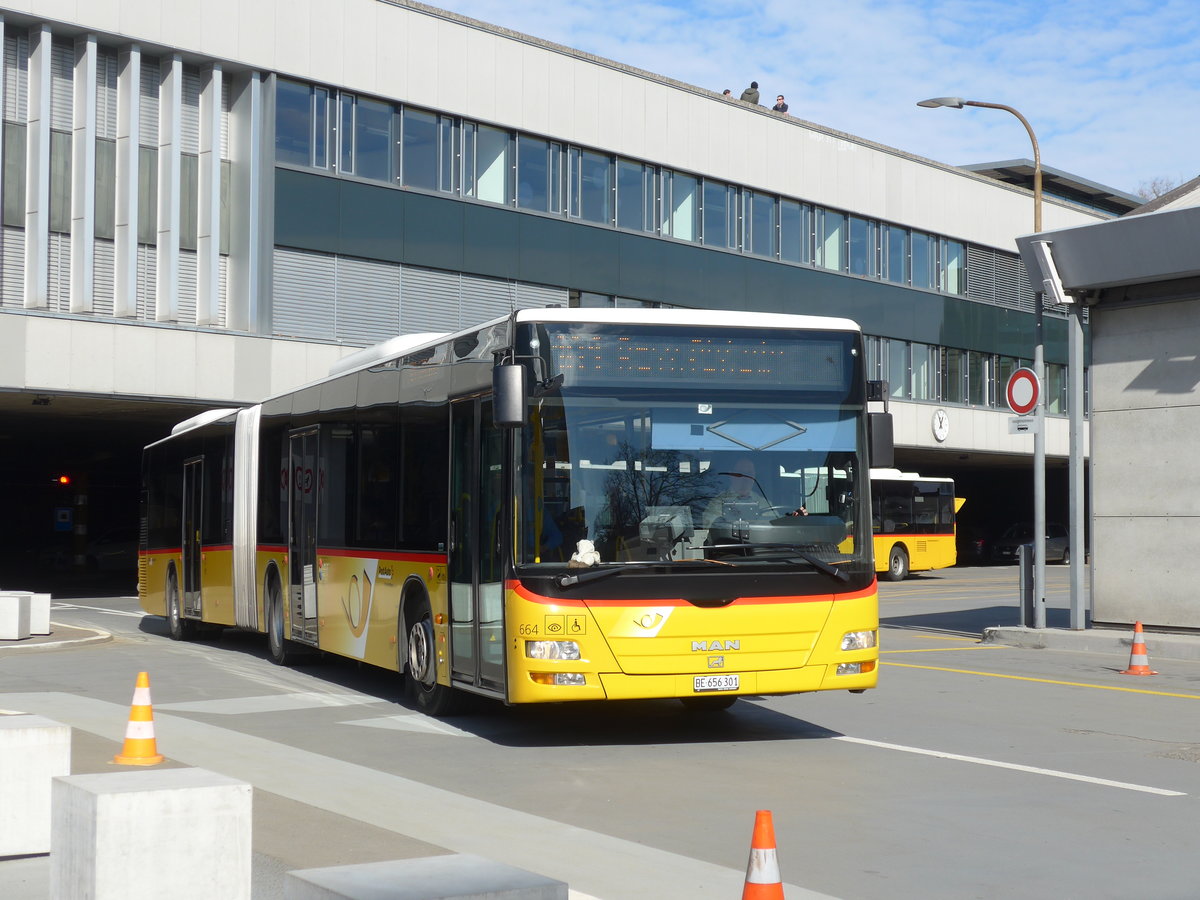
411, 722
1033, 770
237, 706
99, 609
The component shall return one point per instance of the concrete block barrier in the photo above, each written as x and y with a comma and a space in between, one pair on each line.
14, 615
33, 751
39, 613
178, 833
458, 876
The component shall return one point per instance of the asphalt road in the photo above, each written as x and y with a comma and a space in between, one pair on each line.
973, 771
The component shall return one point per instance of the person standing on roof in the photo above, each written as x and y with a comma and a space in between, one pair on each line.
750, 94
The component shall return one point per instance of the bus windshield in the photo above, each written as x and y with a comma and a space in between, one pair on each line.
649, 446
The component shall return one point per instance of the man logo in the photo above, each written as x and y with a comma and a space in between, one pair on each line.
709, 646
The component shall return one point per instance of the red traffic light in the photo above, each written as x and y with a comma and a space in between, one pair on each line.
62, 479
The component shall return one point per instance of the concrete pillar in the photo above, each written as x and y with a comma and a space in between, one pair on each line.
177, 833
14, 615
458, 876
33, 750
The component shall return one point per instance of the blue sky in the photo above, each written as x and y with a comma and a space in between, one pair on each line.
1111, 87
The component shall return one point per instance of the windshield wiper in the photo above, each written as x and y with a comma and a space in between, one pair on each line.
572, 577
788, 551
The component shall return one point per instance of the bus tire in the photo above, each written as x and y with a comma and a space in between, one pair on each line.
280, 647
420, 667
179, 628
708, 704
897, 569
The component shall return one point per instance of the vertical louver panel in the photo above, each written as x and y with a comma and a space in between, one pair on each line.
429, 300
16, 77
484, 299
148, 119
106, 93
103, 261
537, 296
368, 300
58, 290
221, 301
62, 79
187, 287
305, 287
12, 277
225, 116
189, 114
147, 277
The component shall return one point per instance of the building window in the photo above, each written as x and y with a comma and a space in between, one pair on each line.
719, 213
1056, 388
977, 392
591, 184
106, 188
301, 124
895, 254
924, 372
533, 173
951, 270
189, 191
923, 269
419, 149
760, 214
14, 174
60, 182
831, 240
635, 196
897, 369
366, 138
681, 201
862, 247
953, 375
792, 233
485, 163
147, 195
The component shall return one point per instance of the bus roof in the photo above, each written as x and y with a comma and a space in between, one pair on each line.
718, 318
897, 475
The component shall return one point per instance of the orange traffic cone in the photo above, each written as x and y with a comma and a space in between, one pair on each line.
762, 872
1139, 664
140, 747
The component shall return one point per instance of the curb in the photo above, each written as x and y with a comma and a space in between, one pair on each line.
53, 642
1095, 640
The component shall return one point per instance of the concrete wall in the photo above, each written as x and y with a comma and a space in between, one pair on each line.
1145, 476
440, 60
54, 354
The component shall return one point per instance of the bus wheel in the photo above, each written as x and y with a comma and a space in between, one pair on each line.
420, 682
708, 704
179, 628
281, 654
897, 569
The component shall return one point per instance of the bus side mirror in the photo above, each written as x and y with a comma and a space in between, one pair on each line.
883, 444
508, 386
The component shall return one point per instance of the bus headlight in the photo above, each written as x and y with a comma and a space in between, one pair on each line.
552, 649
858, 640
558, 678
861, 668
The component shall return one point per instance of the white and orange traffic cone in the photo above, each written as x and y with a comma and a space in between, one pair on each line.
1139, 663
762, 872
140, 747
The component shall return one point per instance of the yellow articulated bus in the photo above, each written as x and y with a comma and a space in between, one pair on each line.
913, 518
563, 504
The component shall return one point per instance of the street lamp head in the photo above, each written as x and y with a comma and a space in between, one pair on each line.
935, 102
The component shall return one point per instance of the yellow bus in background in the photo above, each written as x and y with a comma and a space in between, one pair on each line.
913, 519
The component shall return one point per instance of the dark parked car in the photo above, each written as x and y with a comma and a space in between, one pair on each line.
973, 545
1058, 544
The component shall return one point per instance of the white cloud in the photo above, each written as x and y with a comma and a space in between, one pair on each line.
1111, 88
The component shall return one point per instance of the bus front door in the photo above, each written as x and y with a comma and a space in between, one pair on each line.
304, 466
193, 506
477, 542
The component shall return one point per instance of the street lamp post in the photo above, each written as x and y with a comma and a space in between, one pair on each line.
1039, 436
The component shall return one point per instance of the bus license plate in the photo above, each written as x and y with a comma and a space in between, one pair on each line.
715, 683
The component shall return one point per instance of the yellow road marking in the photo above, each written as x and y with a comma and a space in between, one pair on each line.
944, 649
1099, 687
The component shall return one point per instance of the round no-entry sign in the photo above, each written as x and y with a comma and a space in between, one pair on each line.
1023, 391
